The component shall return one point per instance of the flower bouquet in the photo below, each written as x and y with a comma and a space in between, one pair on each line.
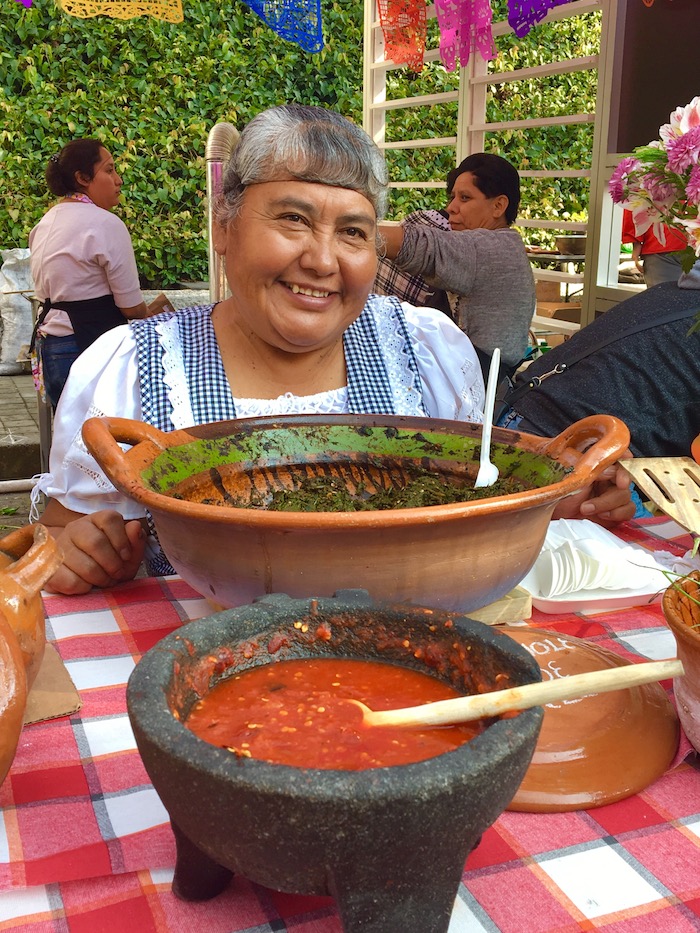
660, 182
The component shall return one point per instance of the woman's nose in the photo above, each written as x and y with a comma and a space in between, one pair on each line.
320, 254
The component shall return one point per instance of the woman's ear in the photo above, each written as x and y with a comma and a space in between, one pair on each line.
219, 238
81, 180
500, 205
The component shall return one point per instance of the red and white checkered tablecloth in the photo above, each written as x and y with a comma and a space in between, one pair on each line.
85, 845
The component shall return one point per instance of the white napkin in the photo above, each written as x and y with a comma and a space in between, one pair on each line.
581, 555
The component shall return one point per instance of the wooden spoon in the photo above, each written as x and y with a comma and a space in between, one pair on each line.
463, 709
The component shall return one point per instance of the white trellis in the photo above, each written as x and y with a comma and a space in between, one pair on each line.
599, 279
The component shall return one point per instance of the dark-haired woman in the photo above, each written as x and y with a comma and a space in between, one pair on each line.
82, 261
477, 257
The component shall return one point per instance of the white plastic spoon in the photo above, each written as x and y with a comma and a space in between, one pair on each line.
464, 709
488, 471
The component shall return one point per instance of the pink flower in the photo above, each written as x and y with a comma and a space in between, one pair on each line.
661, 191
645, 215
618, 186
693, 230
684, 151
692, 190
682, 119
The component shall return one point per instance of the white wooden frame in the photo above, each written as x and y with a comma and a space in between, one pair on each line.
603, 228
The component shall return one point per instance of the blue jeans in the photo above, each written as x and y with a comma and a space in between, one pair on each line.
57, 356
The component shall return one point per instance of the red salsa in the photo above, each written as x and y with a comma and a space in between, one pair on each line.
296, 713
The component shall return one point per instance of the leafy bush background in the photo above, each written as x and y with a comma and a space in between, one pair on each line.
152, 91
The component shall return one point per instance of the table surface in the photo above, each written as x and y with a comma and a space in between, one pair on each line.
85, 845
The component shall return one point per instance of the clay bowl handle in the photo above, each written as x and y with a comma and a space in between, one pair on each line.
103, 436
590, 445
38, 557
465, 709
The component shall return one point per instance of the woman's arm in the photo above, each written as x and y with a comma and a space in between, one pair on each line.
84, 512
392, 238
160, 303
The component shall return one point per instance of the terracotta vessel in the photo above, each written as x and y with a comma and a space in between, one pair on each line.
683, 617
389, 844
459, 556
13, 696
598, 749
28, 557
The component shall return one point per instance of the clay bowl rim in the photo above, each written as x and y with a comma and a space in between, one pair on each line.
124, 469
689, 635
148, 703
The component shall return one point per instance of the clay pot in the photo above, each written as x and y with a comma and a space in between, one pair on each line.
13, 695
389, 844
459, 556
28, 557
597, 749
683, 617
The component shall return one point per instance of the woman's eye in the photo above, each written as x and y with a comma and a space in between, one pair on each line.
356, 232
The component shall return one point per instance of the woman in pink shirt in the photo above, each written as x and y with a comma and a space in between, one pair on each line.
82, 261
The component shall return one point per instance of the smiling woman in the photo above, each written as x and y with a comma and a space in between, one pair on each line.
296, 223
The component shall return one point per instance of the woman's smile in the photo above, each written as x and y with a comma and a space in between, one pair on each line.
307, 290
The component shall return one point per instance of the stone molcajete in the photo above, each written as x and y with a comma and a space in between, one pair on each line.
458, 556
389, 844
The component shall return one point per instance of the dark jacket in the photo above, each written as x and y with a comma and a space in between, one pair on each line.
649, 379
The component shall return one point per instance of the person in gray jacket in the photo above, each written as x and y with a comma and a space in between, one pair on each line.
479, 258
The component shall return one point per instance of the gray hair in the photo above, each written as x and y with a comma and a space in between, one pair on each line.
304, 143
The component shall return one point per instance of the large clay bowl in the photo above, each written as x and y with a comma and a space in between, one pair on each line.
459, 556
683, 618
388, 843
597, 749
28, 557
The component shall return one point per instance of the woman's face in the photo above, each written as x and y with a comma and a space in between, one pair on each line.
300, 261
104, 188
470, 209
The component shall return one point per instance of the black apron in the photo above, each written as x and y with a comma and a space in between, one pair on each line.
90, 318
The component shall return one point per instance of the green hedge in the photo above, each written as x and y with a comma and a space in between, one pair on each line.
152, 91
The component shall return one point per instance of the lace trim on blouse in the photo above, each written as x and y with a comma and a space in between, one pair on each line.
174, 377
395, 350
469, 408
334, 402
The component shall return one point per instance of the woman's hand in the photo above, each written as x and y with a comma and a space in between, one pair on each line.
100, 549
607, 501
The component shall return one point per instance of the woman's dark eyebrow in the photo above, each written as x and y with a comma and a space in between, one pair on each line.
307, 208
